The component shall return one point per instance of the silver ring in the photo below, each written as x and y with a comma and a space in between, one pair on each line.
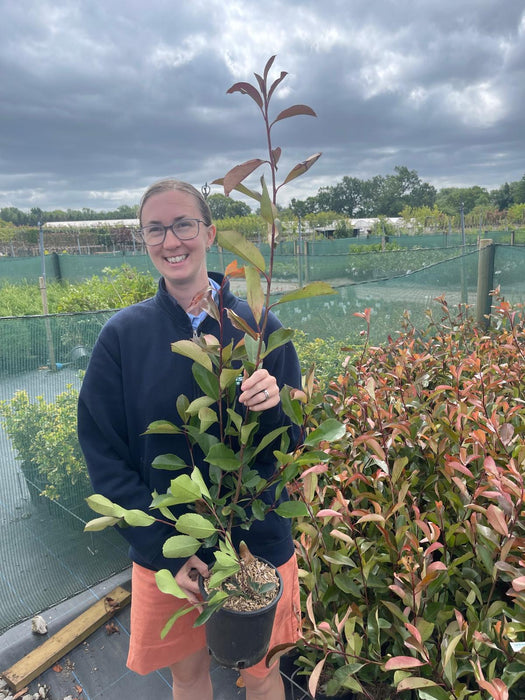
266, 394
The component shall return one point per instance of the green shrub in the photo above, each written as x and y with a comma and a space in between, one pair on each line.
45, 439
118, 287
413, 560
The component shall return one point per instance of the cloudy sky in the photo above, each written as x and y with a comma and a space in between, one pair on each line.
99, 98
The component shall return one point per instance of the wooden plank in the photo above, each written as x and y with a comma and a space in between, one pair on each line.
54, 648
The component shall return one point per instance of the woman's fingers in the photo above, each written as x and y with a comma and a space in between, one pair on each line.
259, 391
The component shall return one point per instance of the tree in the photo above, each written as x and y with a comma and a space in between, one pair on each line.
503, 197
518, 191
223, 207
449, 199
404, 188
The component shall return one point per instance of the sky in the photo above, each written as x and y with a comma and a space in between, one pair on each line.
100, 98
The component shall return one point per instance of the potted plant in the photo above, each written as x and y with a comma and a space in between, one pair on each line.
232, 495
412, 558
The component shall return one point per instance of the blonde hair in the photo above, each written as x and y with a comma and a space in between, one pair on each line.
170, 184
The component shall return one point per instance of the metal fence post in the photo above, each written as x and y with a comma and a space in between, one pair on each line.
485, 281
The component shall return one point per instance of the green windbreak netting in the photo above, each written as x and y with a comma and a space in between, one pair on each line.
46, 556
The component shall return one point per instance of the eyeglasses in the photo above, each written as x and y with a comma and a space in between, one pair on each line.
184, 229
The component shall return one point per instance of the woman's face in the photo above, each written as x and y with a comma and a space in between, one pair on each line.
181, 263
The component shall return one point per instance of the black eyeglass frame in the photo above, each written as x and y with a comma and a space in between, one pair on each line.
171, 228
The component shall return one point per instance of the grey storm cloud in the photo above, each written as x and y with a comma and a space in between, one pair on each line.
100, 97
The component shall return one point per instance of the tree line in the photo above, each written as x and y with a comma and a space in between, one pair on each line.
351, 197
391, 194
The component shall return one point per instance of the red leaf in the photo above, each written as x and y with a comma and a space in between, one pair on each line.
233, 270
276, 652
247, 89
398, 662
328, 513
268, 65
237, 174
57, 668
314, 677
276, 83
295, 111
276, 154
519, 583
414, 632
496, 518
301, 168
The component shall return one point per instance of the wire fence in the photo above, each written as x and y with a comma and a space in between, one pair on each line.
46, 555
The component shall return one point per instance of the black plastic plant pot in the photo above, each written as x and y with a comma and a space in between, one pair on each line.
238, 639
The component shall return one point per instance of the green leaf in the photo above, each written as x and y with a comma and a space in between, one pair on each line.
278, 338
291, 407
241, 324
137, 518
169, 462
182, 401
184, 490
162, 427
188, 348
226, 560
246, 432
214, 603
315, 289
221, 575
251, 345
207, 381
292, 509
268, 210
237, 244
169, 624
254, 292
195, 525
198, 479
180, 546
258, 509
207, 417
235, 418
102, 523
228, 377
166, 584
204, 440
414, 682
330, 430
269, 438
201, 402
101, 504
222, 456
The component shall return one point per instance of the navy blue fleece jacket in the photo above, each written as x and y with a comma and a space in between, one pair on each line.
133, 378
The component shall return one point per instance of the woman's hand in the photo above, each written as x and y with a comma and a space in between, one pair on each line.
187, 578
259, 391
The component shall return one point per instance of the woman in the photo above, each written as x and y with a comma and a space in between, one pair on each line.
133, 379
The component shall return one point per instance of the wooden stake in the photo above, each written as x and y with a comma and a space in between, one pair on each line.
70, 636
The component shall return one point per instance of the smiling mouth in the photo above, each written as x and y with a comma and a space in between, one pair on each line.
177, 258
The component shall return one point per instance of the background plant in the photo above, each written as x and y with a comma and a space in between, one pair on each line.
413, 569
44, 437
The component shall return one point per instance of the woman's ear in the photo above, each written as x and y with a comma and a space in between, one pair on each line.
211, 236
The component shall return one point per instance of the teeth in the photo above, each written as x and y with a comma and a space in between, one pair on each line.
177, 259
